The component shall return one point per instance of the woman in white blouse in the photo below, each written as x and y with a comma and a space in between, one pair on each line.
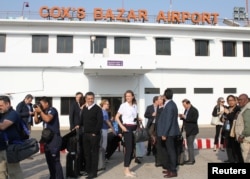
126, 118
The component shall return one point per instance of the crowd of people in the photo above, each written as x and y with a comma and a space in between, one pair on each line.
233, 128
99, 130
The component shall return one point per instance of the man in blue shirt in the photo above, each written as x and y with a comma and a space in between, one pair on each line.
47, 114
9, 122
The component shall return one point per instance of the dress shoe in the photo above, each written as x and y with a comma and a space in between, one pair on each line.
100, 169
148, 153
189, 162
170, 175
165, 172
137, 160
222, 149
84, 174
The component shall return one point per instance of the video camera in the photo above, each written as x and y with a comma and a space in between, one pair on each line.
37, 105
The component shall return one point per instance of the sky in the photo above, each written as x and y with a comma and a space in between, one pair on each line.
223, 7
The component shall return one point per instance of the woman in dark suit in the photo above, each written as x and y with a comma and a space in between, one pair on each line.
190, 126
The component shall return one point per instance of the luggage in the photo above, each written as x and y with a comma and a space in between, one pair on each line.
101, 159
73, 159
181, 156
72, 165
180, 150
113, 143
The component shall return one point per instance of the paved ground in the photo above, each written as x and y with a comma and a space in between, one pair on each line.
37, 168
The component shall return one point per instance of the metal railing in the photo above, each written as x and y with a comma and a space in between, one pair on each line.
33, 15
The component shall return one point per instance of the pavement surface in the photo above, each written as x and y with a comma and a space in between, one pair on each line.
36, 168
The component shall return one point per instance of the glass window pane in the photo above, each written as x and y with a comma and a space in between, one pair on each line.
163, 46
40, 44
201, 47
122, 45
64, 44
2, 42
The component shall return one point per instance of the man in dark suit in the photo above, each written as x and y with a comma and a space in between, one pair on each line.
150, 114
74, 120
25, 110
75, 108
168, 129
190, 126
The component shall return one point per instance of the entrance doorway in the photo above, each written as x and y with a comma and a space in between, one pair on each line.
115, 103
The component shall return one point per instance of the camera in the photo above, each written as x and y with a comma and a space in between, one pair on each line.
37, 105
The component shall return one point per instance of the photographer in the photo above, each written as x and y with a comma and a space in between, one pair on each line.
47, 114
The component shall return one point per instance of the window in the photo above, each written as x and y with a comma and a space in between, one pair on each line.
40, 43
99, 44
64, 44
152, 90
230, 90
179, 90
246, 49
163, 46
2, 42
65, 104
122, 45
201, 47
203, 90
229, 49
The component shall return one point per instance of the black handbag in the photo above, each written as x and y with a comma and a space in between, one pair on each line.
20, 151
47, 135
141, 134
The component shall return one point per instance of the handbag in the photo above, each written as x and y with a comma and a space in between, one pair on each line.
141, 133
47, 135
215, 120
21, 150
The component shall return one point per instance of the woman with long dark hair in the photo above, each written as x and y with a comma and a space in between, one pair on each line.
232, 145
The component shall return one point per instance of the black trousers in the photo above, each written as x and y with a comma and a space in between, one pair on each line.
171, 158
54, 164
151, 147
218, 133
233, 149
129, 143
91, 145
161, 152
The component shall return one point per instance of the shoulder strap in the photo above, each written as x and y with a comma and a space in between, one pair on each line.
24, 127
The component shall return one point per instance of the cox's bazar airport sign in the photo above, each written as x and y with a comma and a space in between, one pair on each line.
121, 14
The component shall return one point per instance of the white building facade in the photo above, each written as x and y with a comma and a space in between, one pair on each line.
198, 62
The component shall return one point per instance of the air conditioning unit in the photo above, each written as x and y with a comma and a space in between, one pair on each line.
105, 52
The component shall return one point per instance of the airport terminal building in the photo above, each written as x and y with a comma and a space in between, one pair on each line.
57, 54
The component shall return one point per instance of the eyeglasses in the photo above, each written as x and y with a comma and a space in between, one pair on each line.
222, 101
